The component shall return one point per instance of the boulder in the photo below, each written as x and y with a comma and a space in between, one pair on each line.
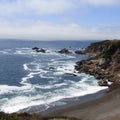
64, 51
40, 50
52, 68
79, 52
101, 61
35, 48
103, 82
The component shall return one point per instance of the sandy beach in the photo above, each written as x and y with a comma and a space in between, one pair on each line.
104, 108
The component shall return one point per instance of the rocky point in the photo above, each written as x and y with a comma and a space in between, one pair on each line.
103, 62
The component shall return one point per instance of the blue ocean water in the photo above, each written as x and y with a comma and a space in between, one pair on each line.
26, 78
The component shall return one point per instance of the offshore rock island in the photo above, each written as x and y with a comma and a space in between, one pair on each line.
103, 62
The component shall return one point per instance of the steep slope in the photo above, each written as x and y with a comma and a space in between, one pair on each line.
104, 61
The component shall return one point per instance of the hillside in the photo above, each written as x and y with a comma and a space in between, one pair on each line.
104, 61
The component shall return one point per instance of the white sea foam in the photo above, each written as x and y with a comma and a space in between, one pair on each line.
25, 67
23, 51
65, 68
75, 89
4, 89
4, 52
50, 86
20, 102
58, 73
44, 76
32, 67
55, 90
29, 76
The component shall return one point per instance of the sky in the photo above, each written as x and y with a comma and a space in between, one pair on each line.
60, 19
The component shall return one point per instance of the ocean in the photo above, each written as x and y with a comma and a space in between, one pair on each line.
31, 79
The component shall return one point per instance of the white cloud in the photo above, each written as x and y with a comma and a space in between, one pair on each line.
40, 7
47, 7
102, 2
48, 31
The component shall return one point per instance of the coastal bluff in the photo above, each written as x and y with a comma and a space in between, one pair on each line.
103, 62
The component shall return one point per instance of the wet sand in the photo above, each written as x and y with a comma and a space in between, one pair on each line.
105, 108
64, 103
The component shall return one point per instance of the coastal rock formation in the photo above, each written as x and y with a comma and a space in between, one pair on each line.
35, 48
64, 51
103, 62
79, 52
39, 49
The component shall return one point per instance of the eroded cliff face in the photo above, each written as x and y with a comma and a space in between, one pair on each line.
104, 61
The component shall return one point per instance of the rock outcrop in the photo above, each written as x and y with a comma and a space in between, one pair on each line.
103, 62
64, 51
36, 49
41, 50
79, 52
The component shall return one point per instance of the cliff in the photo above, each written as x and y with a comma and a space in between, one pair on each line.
103, 62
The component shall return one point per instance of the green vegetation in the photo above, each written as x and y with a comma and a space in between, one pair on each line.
26, 116
21, 116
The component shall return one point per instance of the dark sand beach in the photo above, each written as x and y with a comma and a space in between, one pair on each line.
104, 108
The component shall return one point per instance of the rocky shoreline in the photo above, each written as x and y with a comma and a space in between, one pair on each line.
103, 62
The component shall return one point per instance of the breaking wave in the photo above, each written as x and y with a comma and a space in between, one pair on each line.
48, 79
